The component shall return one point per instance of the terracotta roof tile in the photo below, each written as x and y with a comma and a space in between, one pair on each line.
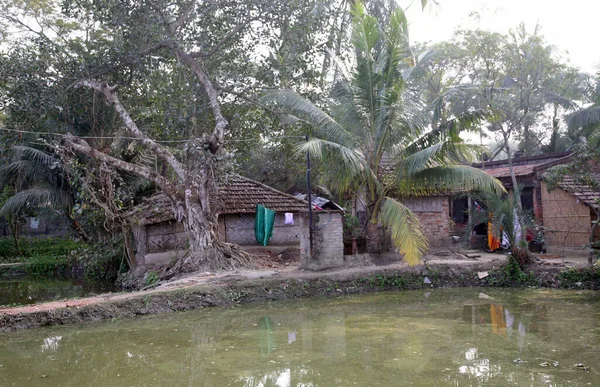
583, 192
520, 170
240, 195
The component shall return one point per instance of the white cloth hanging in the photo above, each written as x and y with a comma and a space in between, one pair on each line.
289, 218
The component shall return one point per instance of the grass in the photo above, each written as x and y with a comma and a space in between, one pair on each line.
35, 247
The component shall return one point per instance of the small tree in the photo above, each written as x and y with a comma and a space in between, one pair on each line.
374, 138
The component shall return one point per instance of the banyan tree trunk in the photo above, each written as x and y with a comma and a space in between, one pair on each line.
206, 251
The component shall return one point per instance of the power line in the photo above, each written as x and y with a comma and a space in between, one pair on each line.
88, 137
138, 139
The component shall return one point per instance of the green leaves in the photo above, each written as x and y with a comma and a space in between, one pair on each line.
365, 29
405, 230
372, 140
449, 179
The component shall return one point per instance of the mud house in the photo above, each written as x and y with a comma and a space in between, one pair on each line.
158, 237
566, 213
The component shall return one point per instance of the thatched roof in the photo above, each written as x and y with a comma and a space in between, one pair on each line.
237, 195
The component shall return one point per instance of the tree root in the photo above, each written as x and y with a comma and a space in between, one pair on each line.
220, 257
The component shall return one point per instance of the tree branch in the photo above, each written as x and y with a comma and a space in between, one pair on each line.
81, 146
156, 148
216, 139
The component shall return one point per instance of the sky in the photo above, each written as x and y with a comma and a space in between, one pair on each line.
572, 26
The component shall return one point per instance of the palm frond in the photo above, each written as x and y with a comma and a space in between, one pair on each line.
585, 117
449, 179
450, 129
317, 148
35, 198
405, 230
442, 153
366, 36
329, 128
29, 153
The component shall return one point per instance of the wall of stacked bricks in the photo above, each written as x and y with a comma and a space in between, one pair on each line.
239, 229
434, 215
328, 241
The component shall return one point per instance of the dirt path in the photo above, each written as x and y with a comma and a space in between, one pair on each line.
223, 279
199, 290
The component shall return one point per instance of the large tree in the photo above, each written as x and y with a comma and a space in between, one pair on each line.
512, 75
374, 137
152, 89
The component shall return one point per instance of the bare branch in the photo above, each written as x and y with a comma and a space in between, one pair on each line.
216, 139
156, 148
81, 146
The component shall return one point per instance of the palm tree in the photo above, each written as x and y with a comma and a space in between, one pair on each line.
585, 121
40, 181
375, 141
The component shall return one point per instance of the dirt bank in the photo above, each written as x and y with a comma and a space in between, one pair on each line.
207, 290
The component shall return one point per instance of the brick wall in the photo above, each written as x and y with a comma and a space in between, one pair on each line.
328, 242
433, 213
239, 229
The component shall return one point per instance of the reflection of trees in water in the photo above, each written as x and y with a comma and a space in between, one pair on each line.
308, 343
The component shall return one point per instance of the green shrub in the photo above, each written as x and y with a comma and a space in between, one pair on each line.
151, 278
102, 261
48, 265
31, 247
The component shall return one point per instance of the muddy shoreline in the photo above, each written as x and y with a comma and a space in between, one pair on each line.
232, 289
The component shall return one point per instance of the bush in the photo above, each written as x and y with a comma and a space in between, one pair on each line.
31, 247
102, 262
45, 265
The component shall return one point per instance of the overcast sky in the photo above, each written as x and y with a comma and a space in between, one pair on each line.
572, 26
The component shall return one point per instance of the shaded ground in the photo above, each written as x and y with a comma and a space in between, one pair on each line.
282, 279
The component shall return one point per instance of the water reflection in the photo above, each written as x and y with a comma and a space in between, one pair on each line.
449, 338
499, 320
51, 343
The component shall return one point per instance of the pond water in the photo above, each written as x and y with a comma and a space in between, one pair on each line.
441, 337
25, 290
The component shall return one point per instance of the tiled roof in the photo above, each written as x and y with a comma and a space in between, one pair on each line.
520, 170
240, 195
583, 192
523, 166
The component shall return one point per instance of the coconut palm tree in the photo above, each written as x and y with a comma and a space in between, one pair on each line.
374, 138
40, 181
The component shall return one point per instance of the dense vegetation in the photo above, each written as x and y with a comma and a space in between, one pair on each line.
104, 103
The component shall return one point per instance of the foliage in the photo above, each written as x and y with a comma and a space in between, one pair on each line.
373, 138
572, 276
102, 261
351, 226
49, 265
151, 278
31, 247
516, 75
585, 122
502, 211
510, 273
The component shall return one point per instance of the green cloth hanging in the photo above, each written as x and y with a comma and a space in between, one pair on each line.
263, 224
